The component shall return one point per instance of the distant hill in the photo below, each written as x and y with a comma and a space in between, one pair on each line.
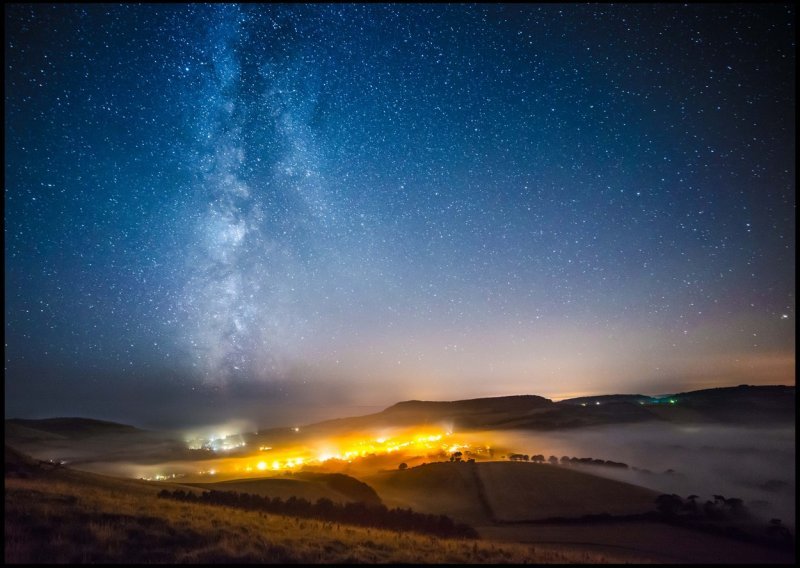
744, 404
78, 440
72, 427
463, 414
607, 398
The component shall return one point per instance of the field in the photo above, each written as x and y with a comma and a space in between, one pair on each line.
58, 515
507, 491
521, 491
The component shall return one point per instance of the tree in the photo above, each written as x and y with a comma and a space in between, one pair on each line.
538, 458
736, 507
711, 511
776, 529
553, 460
564, 459
403, 466
669, 505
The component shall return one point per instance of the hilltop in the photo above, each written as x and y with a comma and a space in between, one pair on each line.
744, 404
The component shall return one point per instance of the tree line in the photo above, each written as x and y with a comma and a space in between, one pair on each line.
357, 513
728, 516
565, 460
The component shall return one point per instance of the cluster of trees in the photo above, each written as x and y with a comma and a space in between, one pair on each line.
375, 516
566, 460
538, 458
724, 515
592, 461
459, 457
720, 509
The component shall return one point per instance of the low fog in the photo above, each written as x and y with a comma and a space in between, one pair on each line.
753, 464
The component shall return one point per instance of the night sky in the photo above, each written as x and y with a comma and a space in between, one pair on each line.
287, 212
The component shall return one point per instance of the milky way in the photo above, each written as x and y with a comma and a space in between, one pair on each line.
364, 202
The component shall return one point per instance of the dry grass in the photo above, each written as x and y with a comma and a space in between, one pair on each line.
282, 488
64, 516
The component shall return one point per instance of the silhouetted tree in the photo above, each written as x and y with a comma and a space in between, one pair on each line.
736, 508
553, 460
538, 458
775, 529
711, 511
669, 505
403, 466
564, 459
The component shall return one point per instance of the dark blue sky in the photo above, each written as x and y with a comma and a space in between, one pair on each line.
218, 210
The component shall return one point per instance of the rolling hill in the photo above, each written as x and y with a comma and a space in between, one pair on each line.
750, 405
57, 515
489, 492
337, 487
73, 427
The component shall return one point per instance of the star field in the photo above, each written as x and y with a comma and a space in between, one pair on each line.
360, 203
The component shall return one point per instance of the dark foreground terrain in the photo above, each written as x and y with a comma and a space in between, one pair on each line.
55, 514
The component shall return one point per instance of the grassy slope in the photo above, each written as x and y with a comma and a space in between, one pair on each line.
525, 491
441, 488
336, 487
508, 491
522, 491
283, 488
58, 515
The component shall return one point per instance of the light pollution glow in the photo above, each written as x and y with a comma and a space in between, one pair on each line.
407, 444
